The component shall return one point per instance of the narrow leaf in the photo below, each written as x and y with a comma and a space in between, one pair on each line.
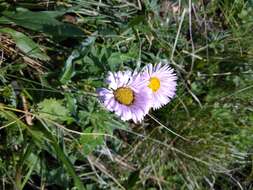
26, 44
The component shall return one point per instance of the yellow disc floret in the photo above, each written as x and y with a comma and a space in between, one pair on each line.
154, 84
124, 95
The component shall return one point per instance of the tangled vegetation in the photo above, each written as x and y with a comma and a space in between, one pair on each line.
55, 134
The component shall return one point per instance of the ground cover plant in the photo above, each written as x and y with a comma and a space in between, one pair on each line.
56, 134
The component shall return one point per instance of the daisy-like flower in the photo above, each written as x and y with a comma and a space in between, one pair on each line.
162, 82
127, 95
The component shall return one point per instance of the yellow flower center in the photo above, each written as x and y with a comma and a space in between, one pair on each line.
124, 95
154, 84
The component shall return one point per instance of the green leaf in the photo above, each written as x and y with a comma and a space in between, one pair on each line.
26, 44
68, 165
117, 58
71, 103
4, 20
43, 21
137, 20
69, 67
36, 134
8, 93
31, 164
90, 141
102, 121
57, 176
133, 179
53, 109
64, 159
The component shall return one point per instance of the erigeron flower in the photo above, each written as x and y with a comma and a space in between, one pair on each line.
126, 95
162, 82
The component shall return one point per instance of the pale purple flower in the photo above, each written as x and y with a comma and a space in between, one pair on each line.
127, 95
162, 82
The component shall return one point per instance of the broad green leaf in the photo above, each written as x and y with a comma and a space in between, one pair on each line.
117, 58
53, 109
26, 44
43, 21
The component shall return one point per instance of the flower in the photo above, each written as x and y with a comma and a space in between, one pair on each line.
162, 82
126, 95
